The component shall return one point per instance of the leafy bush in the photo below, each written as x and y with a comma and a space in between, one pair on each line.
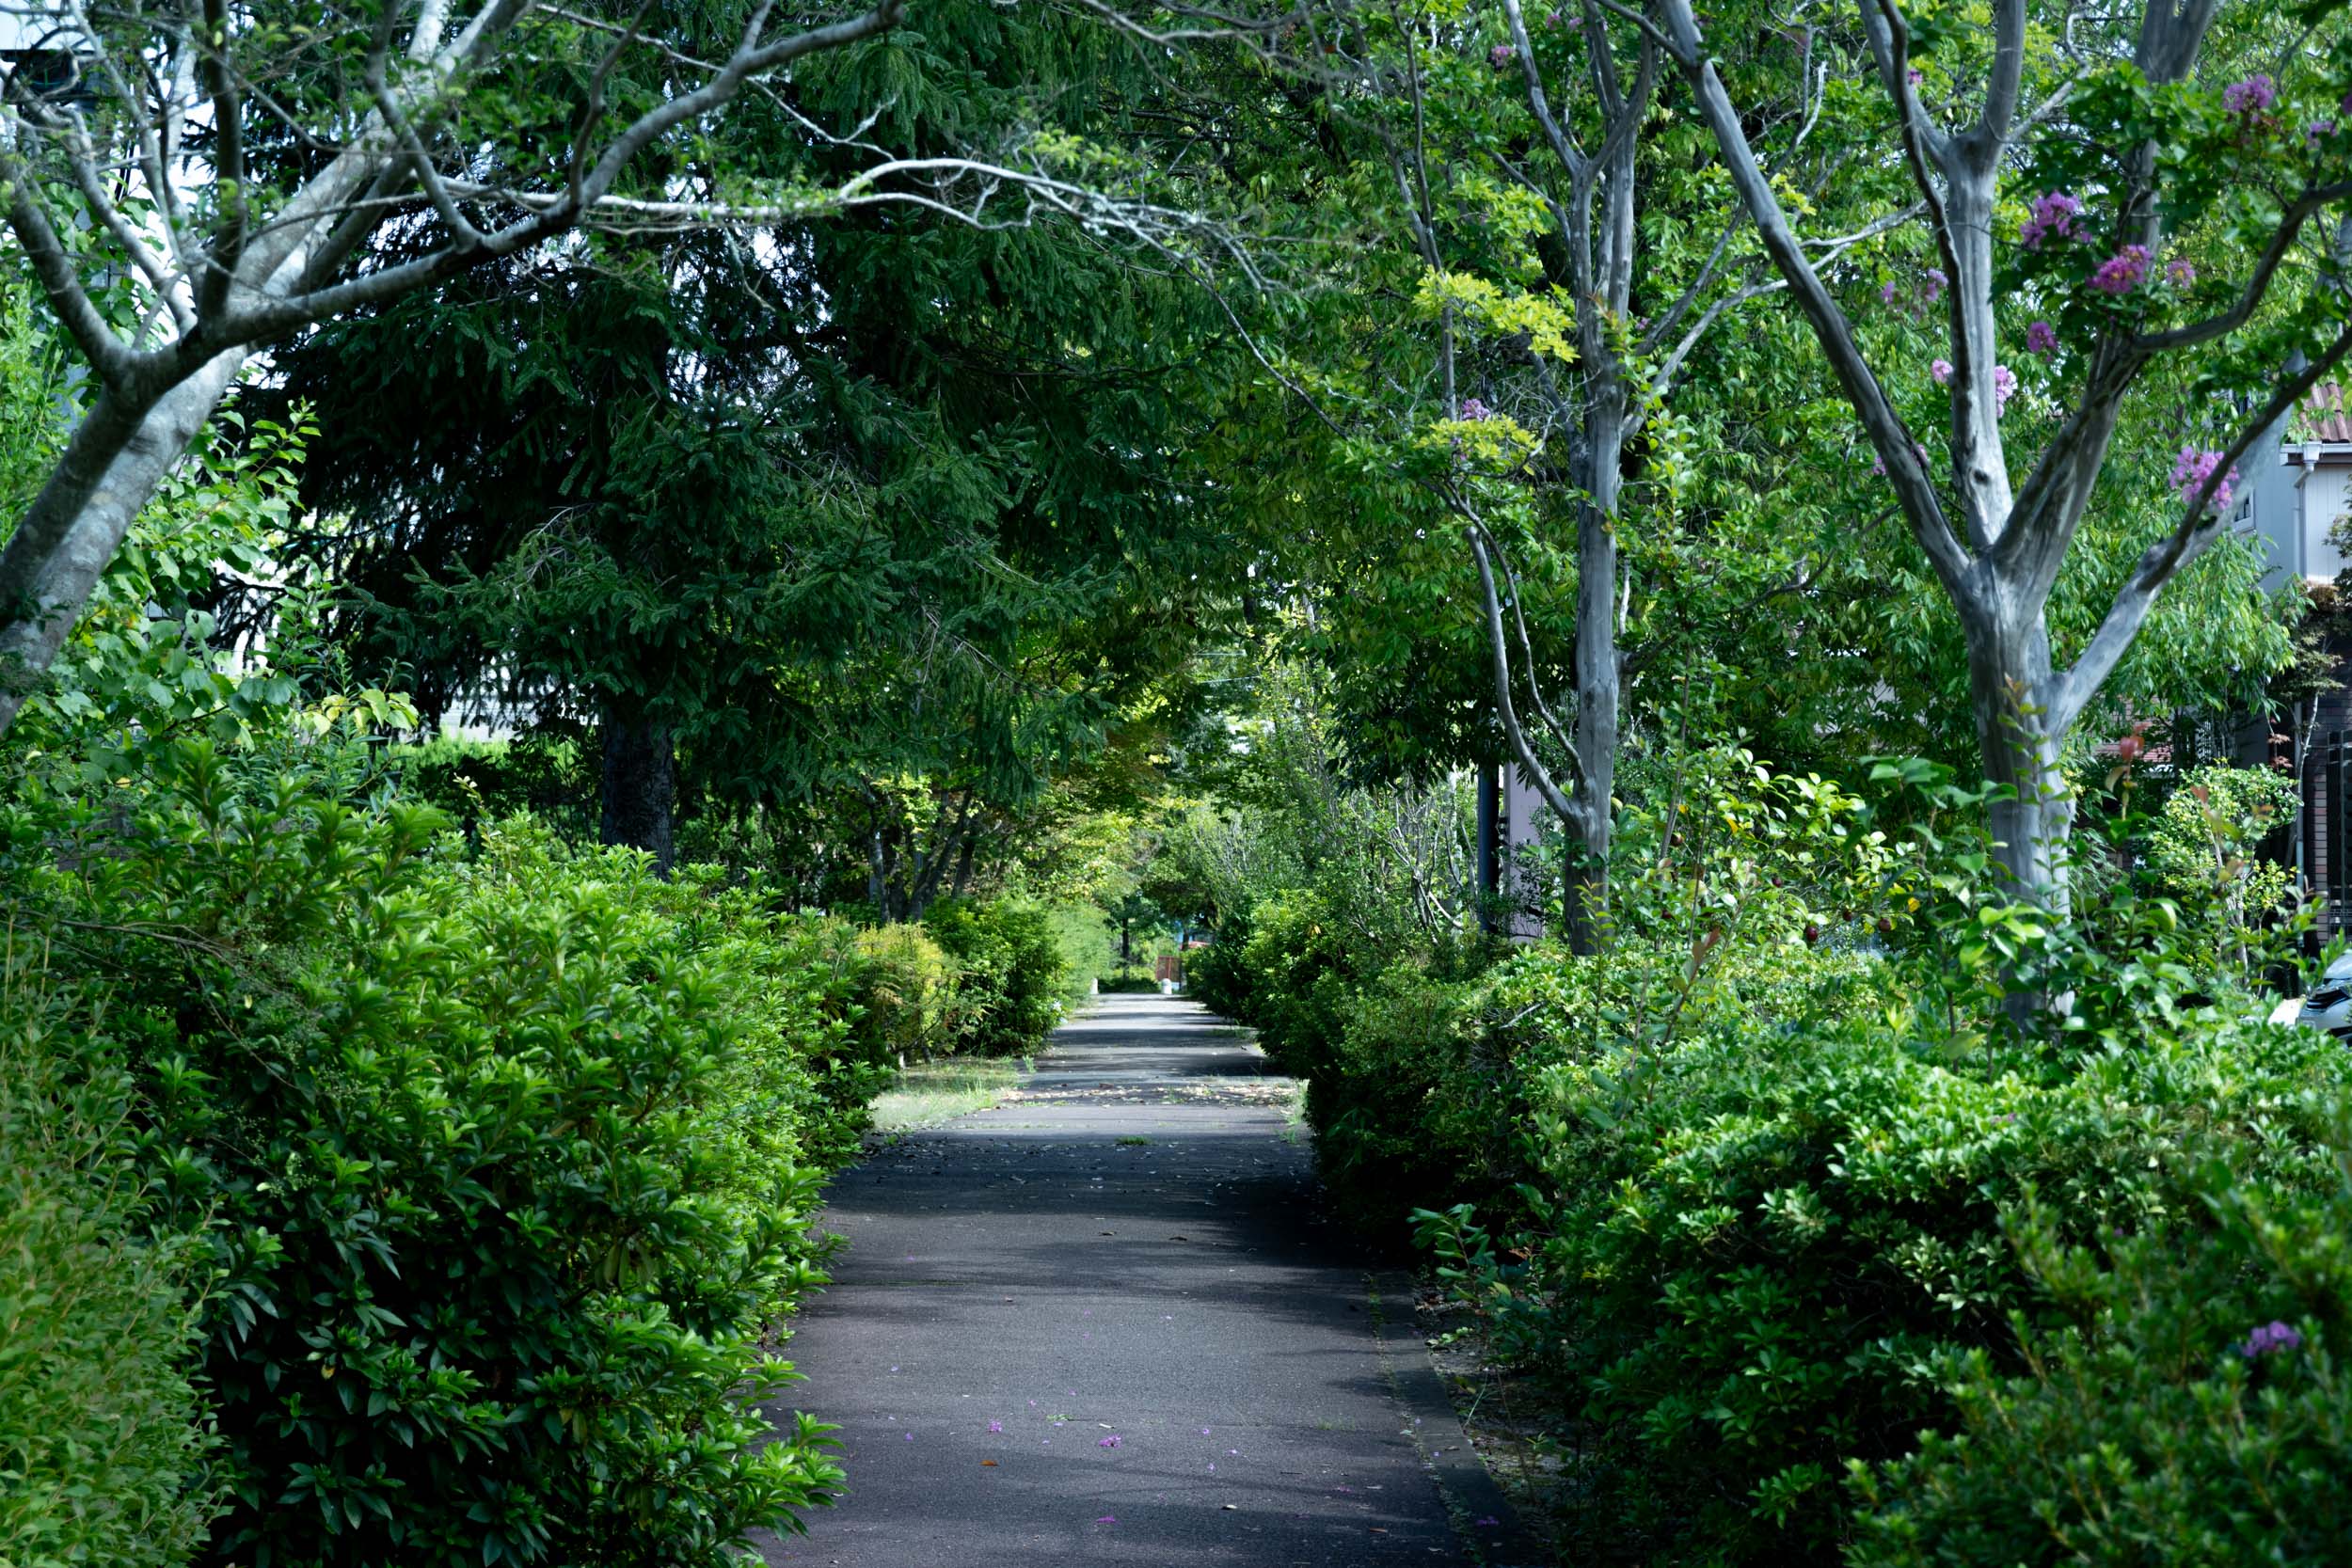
1014, 970
502, 1161
1299, 972
478, 780
102, 1451
2203, 845
2188, 1410
1751, 1246
911, 992
1216, 977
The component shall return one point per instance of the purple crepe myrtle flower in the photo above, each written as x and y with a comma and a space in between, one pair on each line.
1502, 54
1941, 370
1878, 468
2180, 272
1205, 1431
1886, 292
1475, 410
2004, 384
2193, 467
2123, 272
1914, 77
2271, 1338
1551, 19
2249, 98
2054, 213
2041, 338
910, 1437
1111, 1441
1107, 1519
995, 1426
1935, 284
2318, 131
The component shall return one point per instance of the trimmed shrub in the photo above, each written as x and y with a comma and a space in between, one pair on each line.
1755, 1247
503, 1161
911, 992
2189, 1412
102, 1451
1216, 977
1014, 970
1299, 973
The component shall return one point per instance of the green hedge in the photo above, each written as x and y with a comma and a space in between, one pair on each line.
501, 1162
103, 1452
1757, 1247
2186, 1409
1014, 971
1761, 1227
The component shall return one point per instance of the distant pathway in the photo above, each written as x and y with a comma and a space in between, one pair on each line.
1120, 1268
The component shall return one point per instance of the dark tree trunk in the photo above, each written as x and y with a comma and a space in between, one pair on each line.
641, 788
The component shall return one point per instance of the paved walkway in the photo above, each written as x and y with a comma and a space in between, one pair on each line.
1100, 1324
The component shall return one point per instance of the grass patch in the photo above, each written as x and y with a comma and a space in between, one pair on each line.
1138, 1142
928, 1093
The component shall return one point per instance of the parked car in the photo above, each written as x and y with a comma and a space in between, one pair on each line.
2328, 1006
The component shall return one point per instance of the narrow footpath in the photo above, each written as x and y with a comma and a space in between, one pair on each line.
1101, 1323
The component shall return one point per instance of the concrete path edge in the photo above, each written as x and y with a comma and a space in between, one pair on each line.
1470, 1491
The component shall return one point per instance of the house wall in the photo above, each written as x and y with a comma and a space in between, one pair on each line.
2274, 518
2326, 495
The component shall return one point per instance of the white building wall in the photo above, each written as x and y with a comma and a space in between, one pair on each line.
2327, 495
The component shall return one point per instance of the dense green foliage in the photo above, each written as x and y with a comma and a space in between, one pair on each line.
1774, 1185
101, 1454
1014, 970
558, 744
497, 1160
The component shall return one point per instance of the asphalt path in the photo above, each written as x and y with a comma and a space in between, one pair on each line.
1103, 1324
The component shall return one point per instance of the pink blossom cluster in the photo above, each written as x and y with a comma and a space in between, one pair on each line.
2054, 213
2193, 467
2041, 338
1502, 54
2318, 131
1935, 284
2270, 1338
1475, 410
2180, 272
2004, 380
2123, 272
2251, 97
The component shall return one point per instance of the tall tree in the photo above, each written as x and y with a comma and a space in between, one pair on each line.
223, 165
2093, 201
880, 512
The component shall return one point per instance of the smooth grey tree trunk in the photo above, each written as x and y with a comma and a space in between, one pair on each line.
1997, 549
